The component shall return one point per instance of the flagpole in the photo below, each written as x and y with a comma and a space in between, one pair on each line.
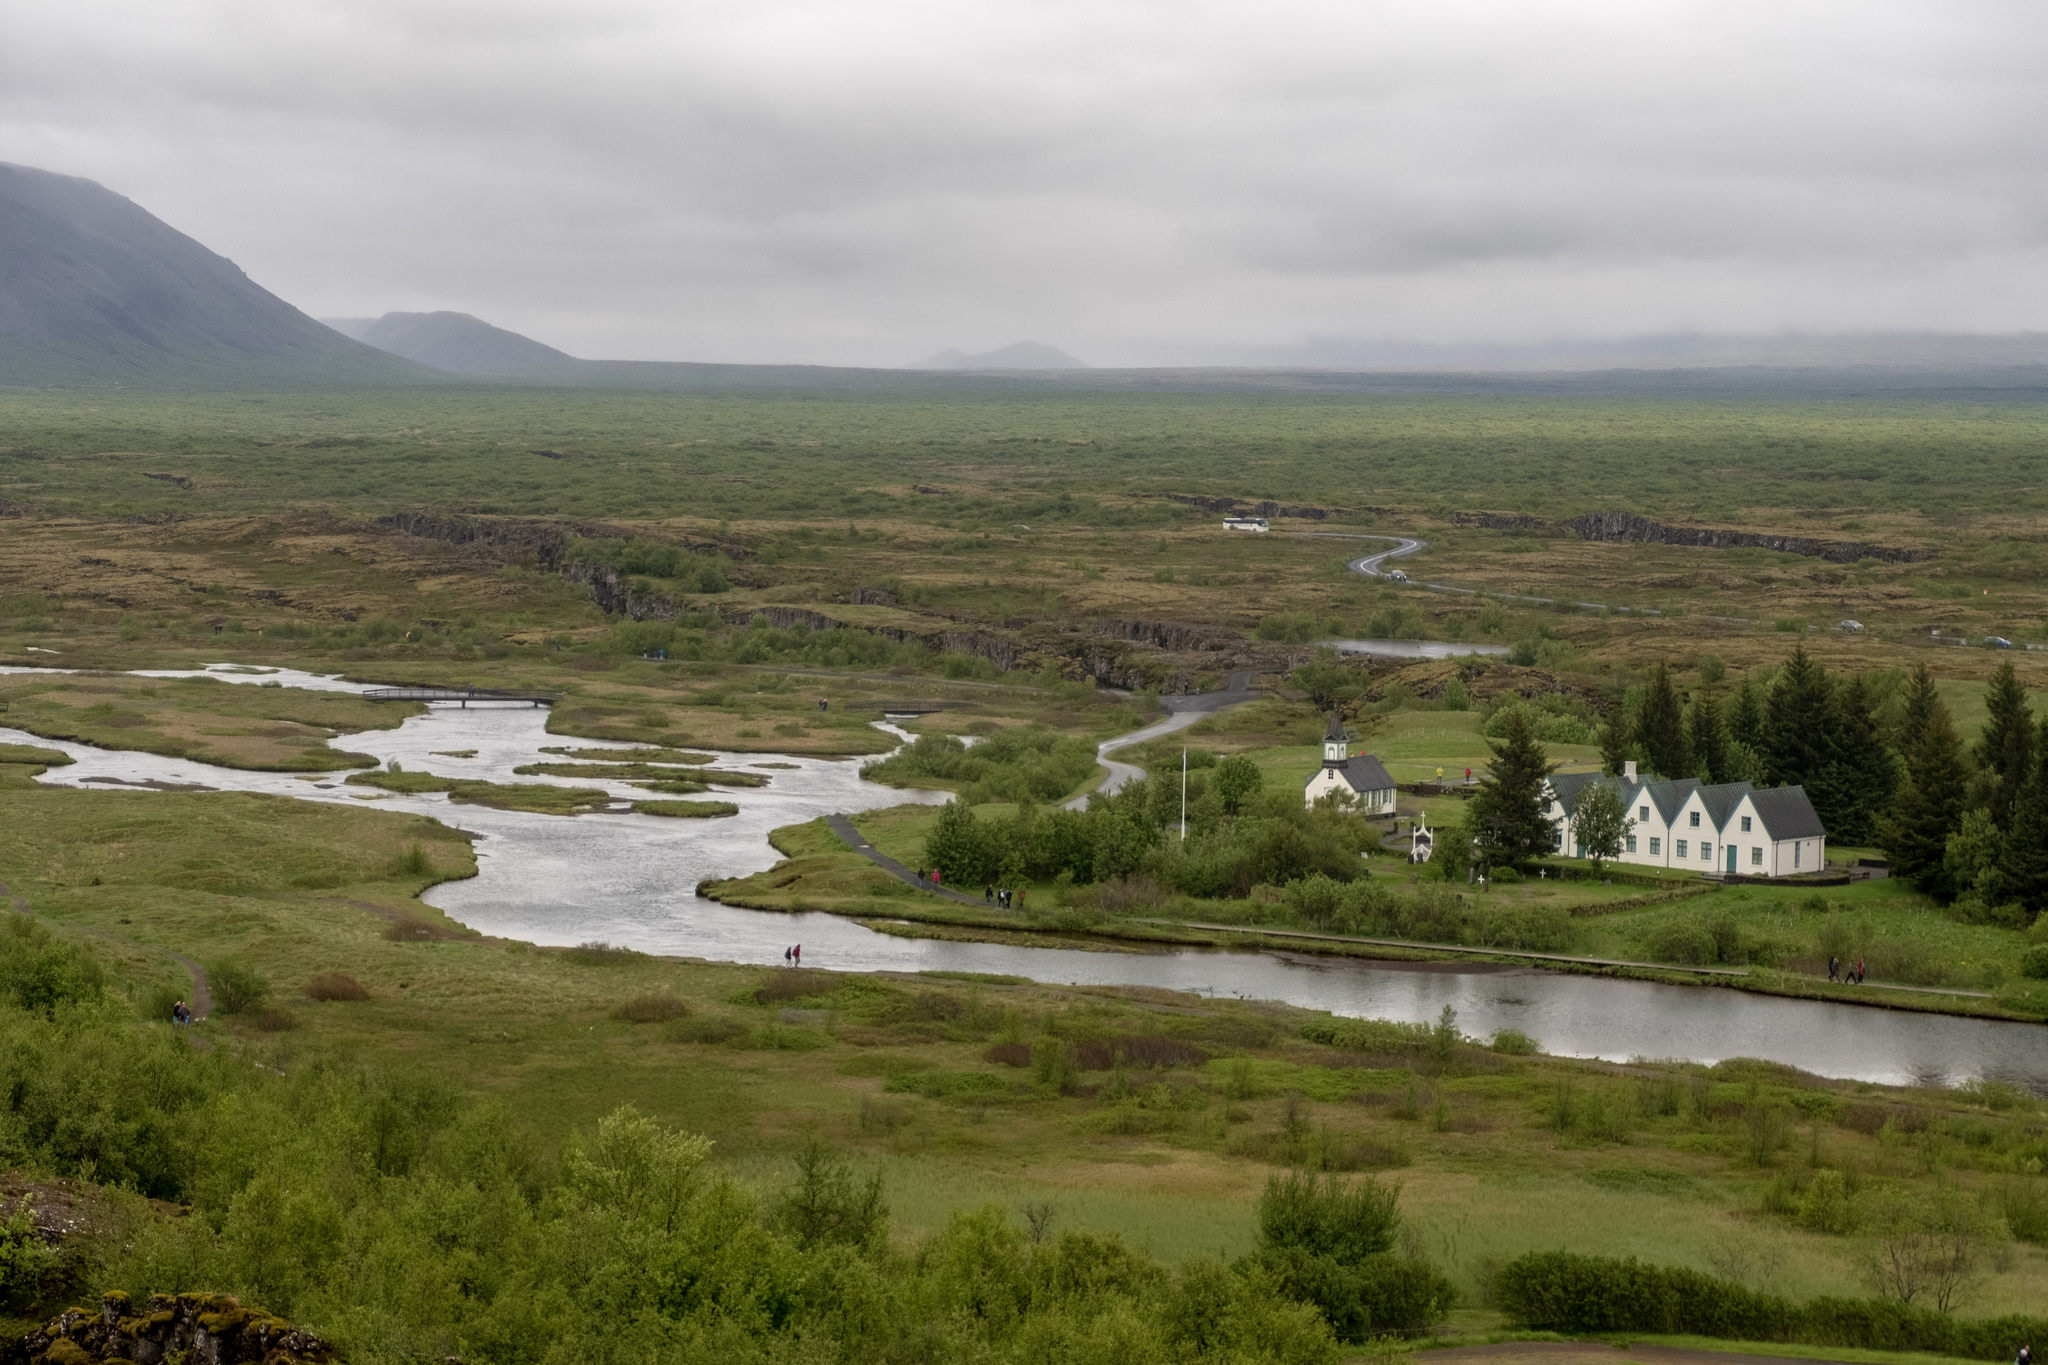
1183, 794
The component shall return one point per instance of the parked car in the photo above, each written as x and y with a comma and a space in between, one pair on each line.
1398, 576
1998, 642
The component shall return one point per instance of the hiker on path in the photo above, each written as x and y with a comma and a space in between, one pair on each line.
181, 1014
796, 955
921, 874
988, 893
2025, 1357
1859, 971
1834, 968
789, 954
1020, 897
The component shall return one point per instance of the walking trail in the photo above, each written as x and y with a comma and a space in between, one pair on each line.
201, 998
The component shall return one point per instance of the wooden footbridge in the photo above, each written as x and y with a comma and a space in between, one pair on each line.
463, 695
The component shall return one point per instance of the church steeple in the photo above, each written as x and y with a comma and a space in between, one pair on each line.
1336, 744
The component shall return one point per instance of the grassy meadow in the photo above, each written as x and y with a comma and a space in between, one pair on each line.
774, 573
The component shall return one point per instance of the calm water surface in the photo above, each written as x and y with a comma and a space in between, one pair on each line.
630, 879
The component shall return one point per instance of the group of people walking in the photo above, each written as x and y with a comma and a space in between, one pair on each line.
1002, 896
794, 954
1849, 976
928, 878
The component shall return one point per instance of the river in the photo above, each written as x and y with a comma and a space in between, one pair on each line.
630, 879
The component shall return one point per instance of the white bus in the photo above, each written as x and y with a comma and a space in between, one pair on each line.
1245, 524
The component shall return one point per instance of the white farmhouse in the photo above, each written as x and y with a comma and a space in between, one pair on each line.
1731, 828
1359, 782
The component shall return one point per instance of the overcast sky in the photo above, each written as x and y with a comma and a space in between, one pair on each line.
867, 181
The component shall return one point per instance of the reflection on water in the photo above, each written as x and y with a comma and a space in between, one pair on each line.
631, 880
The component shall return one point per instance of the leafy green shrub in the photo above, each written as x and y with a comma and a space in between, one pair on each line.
1683, 942
1512, 1042
27, 1262
2034, 962
38, 973
237, 988
1331, 1243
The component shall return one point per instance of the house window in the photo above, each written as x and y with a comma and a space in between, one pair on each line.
1706, 851
1681, 848
1756, 857
1656, 844
1795, 855
1557, 838
1695, 819
1745, 824
1631, 843
1642, 812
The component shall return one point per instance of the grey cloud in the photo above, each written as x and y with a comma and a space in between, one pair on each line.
870, 181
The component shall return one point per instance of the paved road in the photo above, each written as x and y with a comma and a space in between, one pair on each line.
1181, 712
843, 827
1375, 566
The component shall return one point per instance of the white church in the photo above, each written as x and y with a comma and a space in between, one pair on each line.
1732, 828
1356, 780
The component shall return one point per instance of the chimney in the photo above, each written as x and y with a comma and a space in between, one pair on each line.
1628, 769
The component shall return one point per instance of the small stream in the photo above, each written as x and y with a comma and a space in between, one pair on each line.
630, 879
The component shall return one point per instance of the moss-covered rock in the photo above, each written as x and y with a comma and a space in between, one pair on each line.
211, 1327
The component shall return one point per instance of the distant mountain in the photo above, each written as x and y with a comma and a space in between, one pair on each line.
93, 289
451, 341
1025, 355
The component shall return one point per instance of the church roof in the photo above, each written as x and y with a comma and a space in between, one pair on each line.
1361, 773
1335, 734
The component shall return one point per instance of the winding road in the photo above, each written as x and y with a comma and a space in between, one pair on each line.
1181, 712
1375, 566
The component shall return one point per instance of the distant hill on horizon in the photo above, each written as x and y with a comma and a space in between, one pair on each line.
1023, 355
95, 289
455, 342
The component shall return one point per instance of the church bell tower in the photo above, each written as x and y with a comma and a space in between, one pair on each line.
1336, 744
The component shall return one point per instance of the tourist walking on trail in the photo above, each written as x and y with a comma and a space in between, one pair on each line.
1834, 968
988, 893
789, 955
1859, 971
796, 955
2025, 1357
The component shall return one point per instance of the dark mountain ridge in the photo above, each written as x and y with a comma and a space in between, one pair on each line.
95, 289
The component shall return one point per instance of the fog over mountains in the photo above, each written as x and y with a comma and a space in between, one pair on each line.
96, 290
455, 342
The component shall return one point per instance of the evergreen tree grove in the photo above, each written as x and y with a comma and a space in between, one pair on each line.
2005, 752
2023, 862
1506, 816
1928, 806
1660, 727
1857, 781
1798, 730
1708, 740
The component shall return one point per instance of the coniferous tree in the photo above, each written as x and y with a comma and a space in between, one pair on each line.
1928, 806
1860, 775
2005, 752
1660, 727
1744, 717
1506, 815
1706, 737
1614, 750
1798, 728
2024, 858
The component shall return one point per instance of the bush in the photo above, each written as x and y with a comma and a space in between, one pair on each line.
654, 1008
237, 989
2034, 962
1564, 1292
1512, 1042
601, 954
335, 986
1330, 1243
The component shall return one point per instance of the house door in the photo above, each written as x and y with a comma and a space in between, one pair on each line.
1731, 858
